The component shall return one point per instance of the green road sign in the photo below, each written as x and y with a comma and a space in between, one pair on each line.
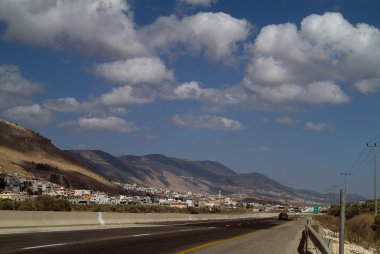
315, 209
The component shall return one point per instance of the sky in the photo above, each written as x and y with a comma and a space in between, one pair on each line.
286, 88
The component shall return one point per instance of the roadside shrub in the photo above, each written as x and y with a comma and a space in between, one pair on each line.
44, 203
49, 203
192, 210
28, 205
359, 229
7, 204
353, 210
329, 222
334, 210
376, 227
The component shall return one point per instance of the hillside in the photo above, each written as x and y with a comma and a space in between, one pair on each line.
30, 154
26, 152
184, 175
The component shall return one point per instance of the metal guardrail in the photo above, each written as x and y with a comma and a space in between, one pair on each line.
319, 242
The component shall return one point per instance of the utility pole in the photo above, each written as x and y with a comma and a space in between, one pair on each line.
342, 220
343, 200
375, 154
345, 174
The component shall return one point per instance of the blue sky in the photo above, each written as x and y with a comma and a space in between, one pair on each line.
289, 89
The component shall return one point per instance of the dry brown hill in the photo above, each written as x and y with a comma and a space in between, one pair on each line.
26, 152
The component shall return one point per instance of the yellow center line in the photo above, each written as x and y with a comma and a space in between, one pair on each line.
202, 246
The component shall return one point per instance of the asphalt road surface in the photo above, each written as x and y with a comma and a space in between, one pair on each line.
180, 237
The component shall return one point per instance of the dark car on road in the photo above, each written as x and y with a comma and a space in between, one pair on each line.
283, 216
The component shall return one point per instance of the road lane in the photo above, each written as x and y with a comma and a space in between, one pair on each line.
282, 239
163, 238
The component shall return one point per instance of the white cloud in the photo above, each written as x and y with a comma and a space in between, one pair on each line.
190, 90
215, 34
367, 86
305, 65
215, 99
316, 126
201, 3
141, 70
33, 115
104, 124
286, 120
208, 122
128, 95
314, 93
14, 89
63, 105
95, 27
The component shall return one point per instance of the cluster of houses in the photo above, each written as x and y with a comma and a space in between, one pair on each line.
18, 188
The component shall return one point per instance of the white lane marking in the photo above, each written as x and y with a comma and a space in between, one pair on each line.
211, 227
140, 235
185, 230
43, 246
227, 225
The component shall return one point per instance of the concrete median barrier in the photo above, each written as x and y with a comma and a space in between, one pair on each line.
11, 219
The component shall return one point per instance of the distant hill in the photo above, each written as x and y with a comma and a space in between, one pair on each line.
28, 153
184, 175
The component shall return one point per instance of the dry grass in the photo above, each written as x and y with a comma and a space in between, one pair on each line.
358, 228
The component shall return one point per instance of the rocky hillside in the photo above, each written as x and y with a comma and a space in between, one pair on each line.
184, 175
26, 152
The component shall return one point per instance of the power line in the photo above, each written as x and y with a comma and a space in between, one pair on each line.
363, 163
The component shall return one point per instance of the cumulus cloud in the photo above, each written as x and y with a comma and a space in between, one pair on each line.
201, 3
128, 95
140, 70
96, 27
33, 115
104, 124
316, 126
314, 93
286, 120
370, 86
215, 99
191, 90
208, 122
15, 90
215, 34
309, 64
63, 105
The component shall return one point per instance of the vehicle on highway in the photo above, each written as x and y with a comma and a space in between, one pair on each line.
283, 216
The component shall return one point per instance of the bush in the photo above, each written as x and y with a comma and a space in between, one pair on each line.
28, 205
7, 204
359, 229
45, 203
376, 226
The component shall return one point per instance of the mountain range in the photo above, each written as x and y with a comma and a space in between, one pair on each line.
27, 152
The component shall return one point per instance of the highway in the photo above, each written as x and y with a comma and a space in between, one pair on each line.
174, 237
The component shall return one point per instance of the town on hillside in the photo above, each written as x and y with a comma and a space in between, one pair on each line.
18, 188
